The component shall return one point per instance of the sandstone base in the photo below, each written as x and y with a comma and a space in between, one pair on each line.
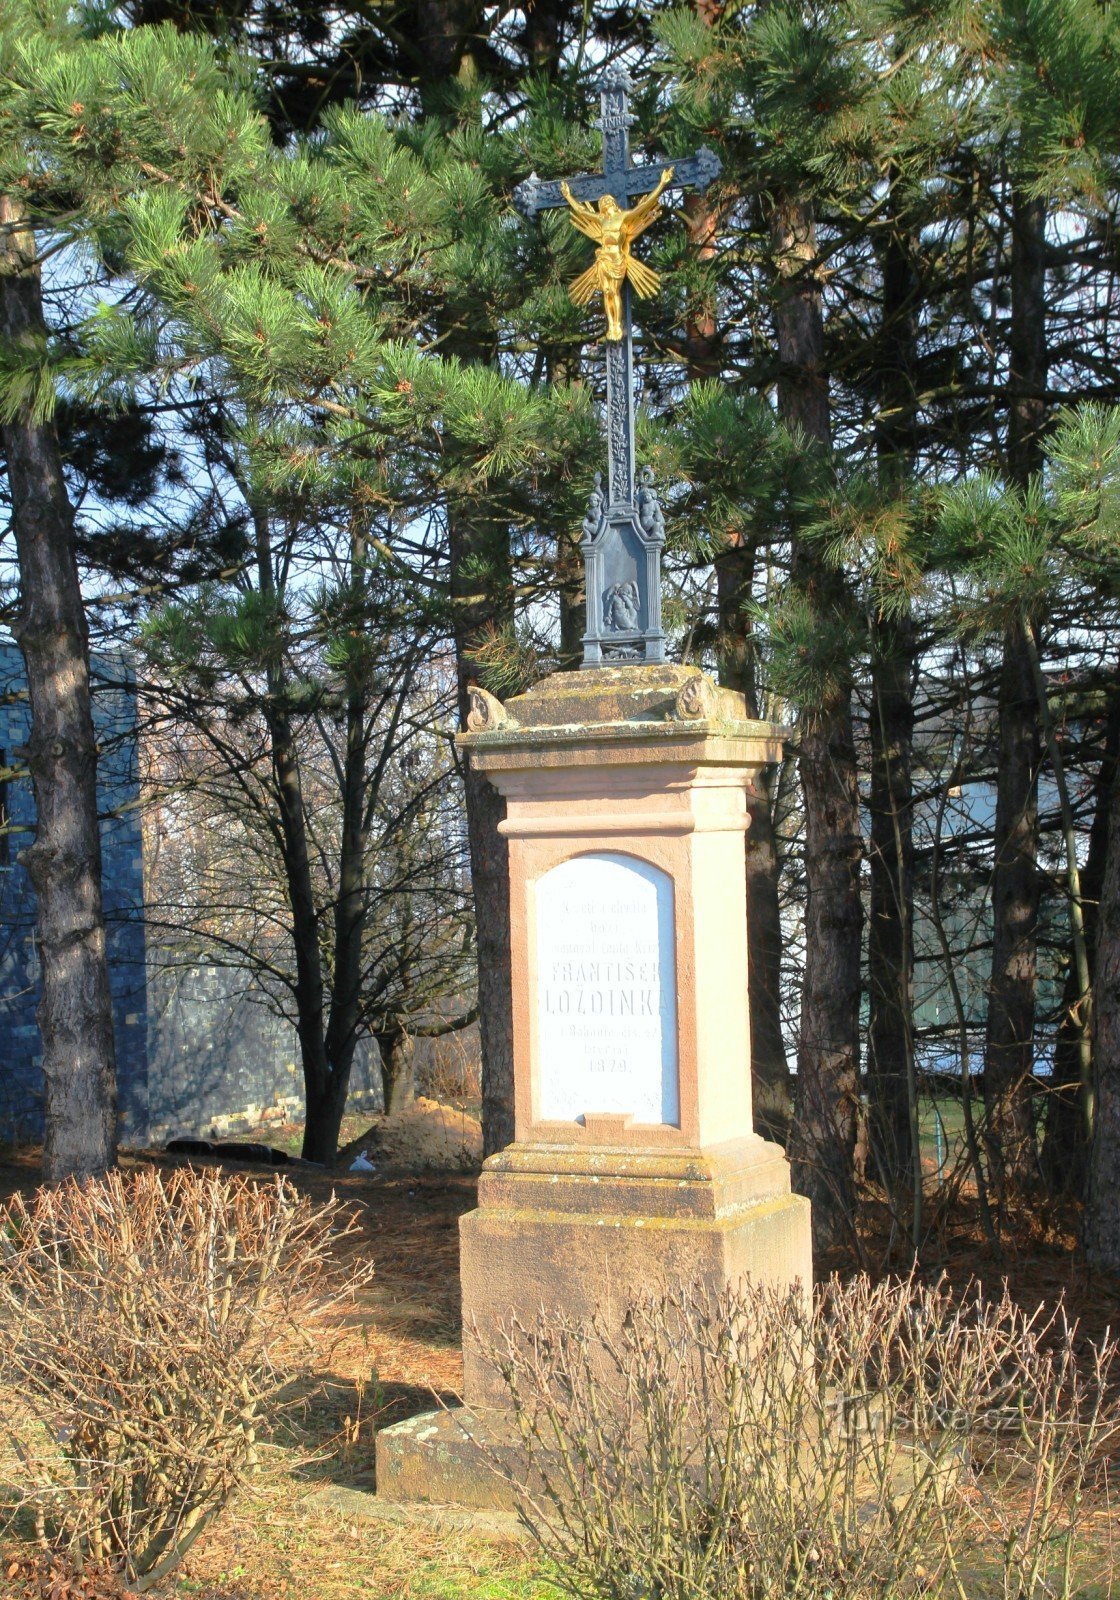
555, 1234
451, 1457
574, 1232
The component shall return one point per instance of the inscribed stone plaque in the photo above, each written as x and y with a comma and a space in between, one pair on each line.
606, 991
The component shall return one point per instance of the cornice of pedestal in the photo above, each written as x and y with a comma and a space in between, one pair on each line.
647, 1182
614, 716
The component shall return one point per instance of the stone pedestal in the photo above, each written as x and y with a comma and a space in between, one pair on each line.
635, 1163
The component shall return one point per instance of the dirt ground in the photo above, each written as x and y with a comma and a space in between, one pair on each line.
426, 1137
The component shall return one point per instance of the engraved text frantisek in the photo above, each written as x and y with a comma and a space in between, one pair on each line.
606, 991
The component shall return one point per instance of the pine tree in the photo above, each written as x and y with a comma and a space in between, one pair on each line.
64, 862
1084, 478
457, 70
825, 122
295, 287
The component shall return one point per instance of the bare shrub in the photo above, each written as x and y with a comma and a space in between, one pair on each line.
149, 1324
887, 1442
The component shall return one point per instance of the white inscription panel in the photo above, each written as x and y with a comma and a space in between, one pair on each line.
606, 990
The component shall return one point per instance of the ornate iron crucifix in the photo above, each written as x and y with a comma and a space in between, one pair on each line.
624, 531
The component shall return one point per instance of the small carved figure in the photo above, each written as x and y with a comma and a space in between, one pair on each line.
595, 507
697, 698
620, 608
651, 518
614, 231
484, 711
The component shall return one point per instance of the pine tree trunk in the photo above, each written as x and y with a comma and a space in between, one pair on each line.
546, 24
1102, 1211
826, 1122
573, 609
771, 1084
443, 35
702, 347
890, 962
490, 883
1064, 1155
488, 849
771, 1079
398, 1070
891, 1068
1009, 1044
64, 863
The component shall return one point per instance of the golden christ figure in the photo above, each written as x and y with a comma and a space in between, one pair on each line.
614, 231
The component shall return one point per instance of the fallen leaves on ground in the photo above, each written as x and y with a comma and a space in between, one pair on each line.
45, 1576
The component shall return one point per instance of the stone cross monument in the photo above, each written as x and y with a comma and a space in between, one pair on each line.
635, 1163
624, 531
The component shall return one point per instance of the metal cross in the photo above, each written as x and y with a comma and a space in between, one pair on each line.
623, 532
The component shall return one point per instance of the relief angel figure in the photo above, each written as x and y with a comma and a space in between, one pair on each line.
621, 608
614, 231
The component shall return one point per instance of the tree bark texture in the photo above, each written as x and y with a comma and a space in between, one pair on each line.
827, 1116
1064, 1155
64, 863
489, 852
445, 34
1009, 1042
891, 1069
826, 1120
771, 1081
702, 341
398, 1069
890, 955
1102, 1211
573, 608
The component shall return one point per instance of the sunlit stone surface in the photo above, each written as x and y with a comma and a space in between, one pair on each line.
606, 991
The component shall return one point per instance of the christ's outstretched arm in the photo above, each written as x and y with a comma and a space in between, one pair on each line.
639, 217
584, 216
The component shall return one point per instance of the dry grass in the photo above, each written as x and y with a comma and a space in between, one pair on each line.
274, 1547
279, 1546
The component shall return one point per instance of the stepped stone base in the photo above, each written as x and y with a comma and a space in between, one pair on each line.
579, 1231
456, 1457
576, 1232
